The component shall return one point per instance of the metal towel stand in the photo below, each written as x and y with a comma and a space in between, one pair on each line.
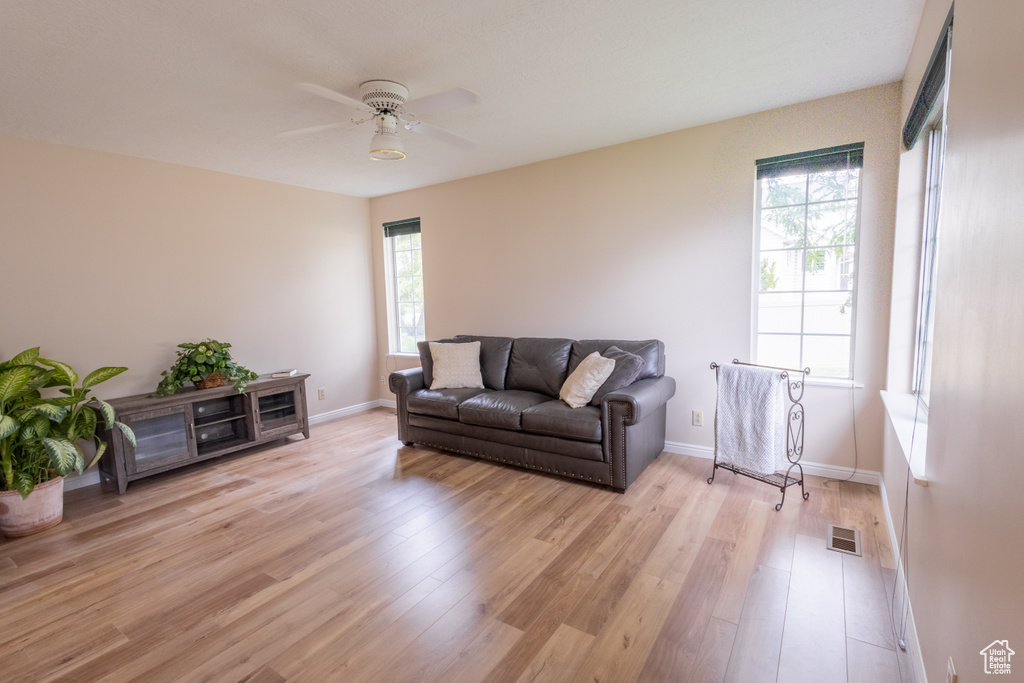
794, 437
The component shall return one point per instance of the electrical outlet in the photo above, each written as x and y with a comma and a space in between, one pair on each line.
383, 379
321, 394
950, 672
698, 418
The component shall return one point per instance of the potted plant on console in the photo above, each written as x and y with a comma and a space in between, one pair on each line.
207, 364
41, 437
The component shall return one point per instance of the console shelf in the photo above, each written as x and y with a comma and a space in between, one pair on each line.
194, 425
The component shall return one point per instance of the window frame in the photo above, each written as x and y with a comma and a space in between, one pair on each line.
391, 252
803, 291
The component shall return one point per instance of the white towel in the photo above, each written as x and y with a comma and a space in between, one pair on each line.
750, 428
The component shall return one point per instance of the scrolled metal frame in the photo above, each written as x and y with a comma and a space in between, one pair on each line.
794, 437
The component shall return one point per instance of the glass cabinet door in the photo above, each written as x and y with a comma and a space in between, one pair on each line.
278, 412
162, 437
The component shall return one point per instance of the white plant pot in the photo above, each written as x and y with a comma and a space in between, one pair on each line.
43, 509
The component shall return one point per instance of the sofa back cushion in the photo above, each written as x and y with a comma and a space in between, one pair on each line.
539, 365
651, 351
494, 355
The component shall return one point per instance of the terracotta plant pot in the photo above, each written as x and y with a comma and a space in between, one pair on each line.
211, 381
43, 509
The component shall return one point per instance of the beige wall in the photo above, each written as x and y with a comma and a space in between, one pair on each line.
654, 238
965, 544
112, 260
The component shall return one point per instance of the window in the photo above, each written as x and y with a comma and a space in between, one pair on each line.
929, 115
405, 285
929, 248
807, 220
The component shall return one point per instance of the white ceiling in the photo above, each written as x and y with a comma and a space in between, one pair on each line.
210, 84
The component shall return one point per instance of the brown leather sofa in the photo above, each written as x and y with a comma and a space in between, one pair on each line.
517, 418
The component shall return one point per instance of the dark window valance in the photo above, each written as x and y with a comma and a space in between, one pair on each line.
409, 226
816, 161
931, 85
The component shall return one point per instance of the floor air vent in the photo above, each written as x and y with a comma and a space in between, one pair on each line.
843, 540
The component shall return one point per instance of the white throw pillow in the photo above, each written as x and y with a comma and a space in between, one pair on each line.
456, 366
586, 379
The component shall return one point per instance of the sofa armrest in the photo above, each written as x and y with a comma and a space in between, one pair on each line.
406, 381
402, 383
644, 397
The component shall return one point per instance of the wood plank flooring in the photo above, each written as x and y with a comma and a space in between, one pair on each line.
348, 557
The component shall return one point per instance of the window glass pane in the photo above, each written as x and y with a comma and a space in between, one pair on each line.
805, 270
827, 356
833, 185
853, 183
781, 270
828, 312
407, 288
783, 190
829, 268
405, 291
408, 340
782, 228
407, 315
782, 350
831, 223
778, 313
404, 264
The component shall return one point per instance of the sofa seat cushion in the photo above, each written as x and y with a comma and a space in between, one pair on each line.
441, 402
502, 409
555, 418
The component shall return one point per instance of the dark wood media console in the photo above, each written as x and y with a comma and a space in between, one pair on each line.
179, 430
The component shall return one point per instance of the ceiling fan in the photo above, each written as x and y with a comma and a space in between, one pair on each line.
388, 104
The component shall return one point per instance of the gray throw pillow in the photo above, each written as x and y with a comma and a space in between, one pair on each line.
627, 368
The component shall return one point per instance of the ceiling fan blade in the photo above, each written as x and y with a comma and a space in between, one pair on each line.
441, 134
449, 99
327, 93
311, 129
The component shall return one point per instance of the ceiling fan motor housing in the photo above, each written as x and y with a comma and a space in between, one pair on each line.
383, 96
387, 124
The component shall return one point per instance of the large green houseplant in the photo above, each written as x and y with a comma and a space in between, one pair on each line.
206, 364
41, 438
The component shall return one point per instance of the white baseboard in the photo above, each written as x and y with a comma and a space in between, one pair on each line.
351, 410
813, 468
690, 449
913, 645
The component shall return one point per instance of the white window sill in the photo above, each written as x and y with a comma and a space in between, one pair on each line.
403, 354
830, 382
904, 413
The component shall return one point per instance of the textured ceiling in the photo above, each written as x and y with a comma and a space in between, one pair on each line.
210, 84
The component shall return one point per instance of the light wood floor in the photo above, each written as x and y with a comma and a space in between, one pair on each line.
350, 558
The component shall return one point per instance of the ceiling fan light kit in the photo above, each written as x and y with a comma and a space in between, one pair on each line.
386, 147
385, 101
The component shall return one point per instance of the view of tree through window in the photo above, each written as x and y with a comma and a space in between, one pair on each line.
407, 266
807, 225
